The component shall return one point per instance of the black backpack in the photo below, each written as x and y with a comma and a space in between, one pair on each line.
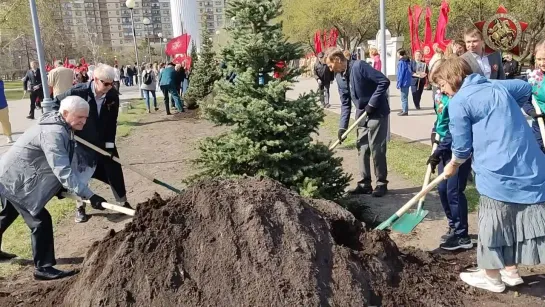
147, 78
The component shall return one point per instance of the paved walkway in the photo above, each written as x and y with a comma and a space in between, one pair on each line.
18, 111
417, 126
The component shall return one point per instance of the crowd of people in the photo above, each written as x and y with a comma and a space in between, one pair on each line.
479, 127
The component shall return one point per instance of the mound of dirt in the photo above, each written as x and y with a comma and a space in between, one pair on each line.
251, 242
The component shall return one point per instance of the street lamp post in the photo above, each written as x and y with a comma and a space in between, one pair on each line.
146, 23
47, 104
160, 35
165, 40
20, 63
130, 5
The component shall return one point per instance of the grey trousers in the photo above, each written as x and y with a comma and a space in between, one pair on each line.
372, 141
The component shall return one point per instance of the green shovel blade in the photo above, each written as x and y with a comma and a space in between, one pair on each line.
408, 221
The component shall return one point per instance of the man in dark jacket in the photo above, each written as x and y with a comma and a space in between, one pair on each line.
32, 84
180, 77
510, 66
343, 83
324, 77
369, 89
100, 130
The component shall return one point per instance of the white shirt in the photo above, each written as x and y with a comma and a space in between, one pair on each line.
484, 64
117, 74
99, 100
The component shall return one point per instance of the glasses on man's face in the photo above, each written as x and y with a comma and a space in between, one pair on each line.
107, 83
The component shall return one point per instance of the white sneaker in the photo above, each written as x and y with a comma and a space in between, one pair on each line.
480, 280
511, 278
9, 140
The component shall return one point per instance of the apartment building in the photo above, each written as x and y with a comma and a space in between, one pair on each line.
108, 22
212, 12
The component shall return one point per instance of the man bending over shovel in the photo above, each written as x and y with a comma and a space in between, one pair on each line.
34, 170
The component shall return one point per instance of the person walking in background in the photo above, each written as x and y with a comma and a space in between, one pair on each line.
375, 57
122, 75
324, 77
180, 77
369, 91
117, 78
136, 73
130, 75
60, 79
419, 71
404, 76
510, 67
4, 114
32, 83
167, 82
149, 84
488, 65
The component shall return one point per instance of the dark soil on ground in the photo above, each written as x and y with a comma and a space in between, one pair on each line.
250, 242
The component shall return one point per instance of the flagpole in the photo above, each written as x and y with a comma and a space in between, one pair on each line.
383, 53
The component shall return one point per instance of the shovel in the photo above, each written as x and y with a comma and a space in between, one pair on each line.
540, 122
347, 132
116, 159
113, 207
411, 203
407, 222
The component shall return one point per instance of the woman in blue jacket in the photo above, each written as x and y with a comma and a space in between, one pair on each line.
486, 125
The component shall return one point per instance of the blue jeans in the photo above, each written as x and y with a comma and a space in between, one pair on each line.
405, 99
453, 198
147, 96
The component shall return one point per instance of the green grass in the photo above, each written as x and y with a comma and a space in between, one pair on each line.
405, 158
15, 95
13, 85
17, 238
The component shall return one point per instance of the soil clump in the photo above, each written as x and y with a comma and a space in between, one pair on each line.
249, 242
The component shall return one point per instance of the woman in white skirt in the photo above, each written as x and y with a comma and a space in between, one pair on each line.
487, 125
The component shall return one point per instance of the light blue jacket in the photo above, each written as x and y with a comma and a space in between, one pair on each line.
485, 118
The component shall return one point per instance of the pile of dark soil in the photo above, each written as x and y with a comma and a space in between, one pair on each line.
251, 242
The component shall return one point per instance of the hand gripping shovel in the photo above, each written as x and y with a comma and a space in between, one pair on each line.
540, 122
411, 203
139, 172
347, 132
113, 207
408, 221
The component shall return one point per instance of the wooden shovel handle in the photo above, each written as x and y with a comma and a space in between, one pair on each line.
347, 132
112, 207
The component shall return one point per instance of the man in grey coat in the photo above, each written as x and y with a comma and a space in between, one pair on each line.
35, 169
488, 65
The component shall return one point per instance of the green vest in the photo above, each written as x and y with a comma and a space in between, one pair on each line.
441, 109
539, 93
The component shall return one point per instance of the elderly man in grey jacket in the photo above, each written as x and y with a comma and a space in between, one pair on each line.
35, 169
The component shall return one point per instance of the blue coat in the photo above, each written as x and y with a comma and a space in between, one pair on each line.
3, 100
404, 73
367, 86
168, 77
486, 122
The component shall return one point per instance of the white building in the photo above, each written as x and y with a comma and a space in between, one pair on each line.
185, 15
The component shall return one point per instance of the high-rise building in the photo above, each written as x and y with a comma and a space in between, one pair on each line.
185, 19
212, 12
108, 22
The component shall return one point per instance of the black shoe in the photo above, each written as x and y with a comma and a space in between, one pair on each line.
455, 243
361, 190
50, 273
81, 216
156, 109
418, 108
448, 235
6, 256
30, 117
403, 114
126, 205
380, 190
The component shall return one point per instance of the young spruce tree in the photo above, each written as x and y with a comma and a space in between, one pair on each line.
270, 135
204, 73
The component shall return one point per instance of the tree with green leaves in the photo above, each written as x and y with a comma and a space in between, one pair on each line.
269, 135
205, 73
194, 55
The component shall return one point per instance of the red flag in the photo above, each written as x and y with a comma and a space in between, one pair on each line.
333, 35
317, 42
428, 43
325, 41
414, 20
66, 63
441, 29
178, 45
82, 61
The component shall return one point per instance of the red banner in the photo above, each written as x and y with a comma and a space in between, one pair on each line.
317, 42
414, 20
178, 45
441, 28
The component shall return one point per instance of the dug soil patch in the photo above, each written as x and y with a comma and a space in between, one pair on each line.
249, 242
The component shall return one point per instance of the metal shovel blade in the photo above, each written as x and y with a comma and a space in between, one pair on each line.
408, 221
